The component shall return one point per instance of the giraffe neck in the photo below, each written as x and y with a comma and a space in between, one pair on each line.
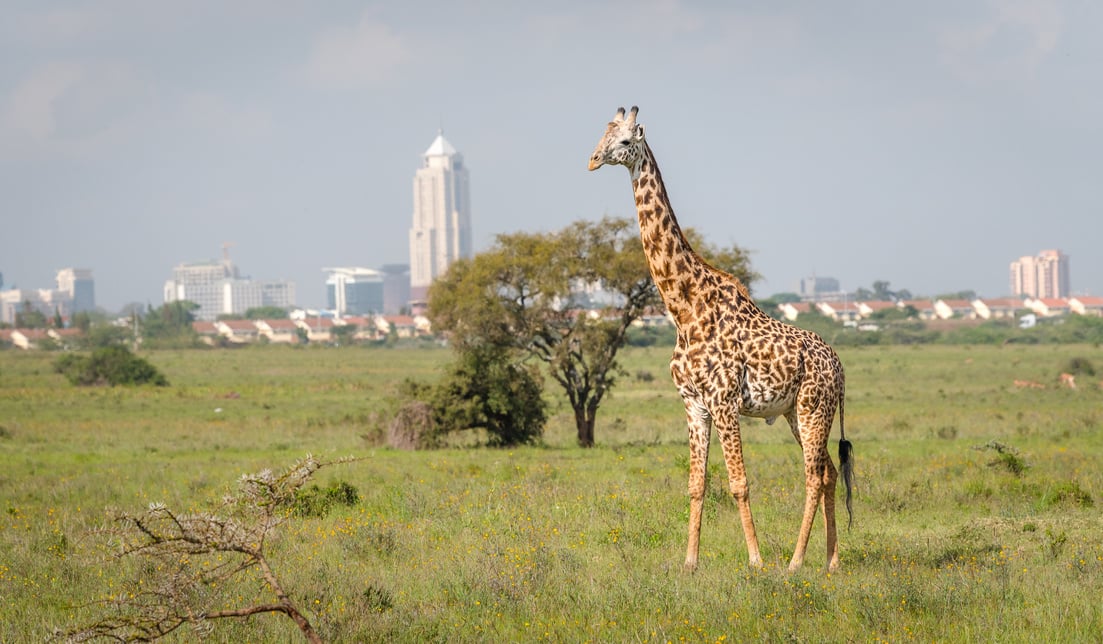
674, 266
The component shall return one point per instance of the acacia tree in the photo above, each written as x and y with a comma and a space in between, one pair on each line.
529, 293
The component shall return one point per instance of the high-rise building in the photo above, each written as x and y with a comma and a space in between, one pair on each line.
441, 231
1043, 276
396, 288
75, 292
354, 291
78, 283
218, 289
817, 288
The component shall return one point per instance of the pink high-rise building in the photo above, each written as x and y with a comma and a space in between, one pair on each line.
1041, 276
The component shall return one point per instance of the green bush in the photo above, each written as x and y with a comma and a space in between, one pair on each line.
1080, 366
316, 501
111, 365
485, 388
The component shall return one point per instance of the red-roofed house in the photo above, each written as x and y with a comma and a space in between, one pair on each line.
1086, 305
238, 331
924, 308
792, 310
867, 309
278, 330
1001, 307
1048, 306
28, 338
318, 329
404, 326
960, 309
207, 331
65, 337
840, 311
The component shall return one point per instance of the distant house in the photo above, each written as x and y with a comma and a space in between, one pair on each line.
238, 331
1086, 305
318, 329
866, 309
1003, 307
207, 331
404, 326
65, 337
278, 331
366, 327
27, 339
845, 311
1048, 306
960, 309
792, 310
925, 308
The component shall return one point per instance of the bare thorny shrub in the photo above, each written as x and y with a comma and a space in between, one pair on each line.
174, 585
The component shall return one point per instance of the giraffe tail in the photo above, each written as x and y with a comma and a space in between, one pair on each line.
846, 463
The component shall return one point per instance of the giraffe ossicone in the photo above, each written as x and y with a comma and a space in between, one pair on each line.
732, 360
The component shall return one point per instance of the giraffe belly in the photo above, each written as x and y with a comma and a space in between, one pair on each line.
759, 401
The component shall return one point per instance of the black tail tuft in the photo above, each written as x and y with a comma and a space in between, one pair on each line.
846, 467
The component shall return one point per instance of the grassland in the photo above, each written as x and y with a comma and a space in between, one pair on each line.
558, 543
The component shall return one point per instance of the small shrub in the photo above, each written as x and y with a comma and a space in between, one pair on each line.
1068, 491
1079, 366
315, 501
1007, 457
1055, 542
111, 365
377, 600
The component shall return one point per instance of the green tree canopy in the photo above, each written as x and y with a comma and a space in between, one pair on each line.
170, 324
266, 313
30, 317
533, 293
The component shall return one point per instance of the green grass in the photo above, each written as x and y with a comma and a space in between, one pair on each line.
950, 542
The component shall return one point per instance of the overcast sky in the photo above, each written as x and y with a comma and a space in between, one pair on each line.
928, 144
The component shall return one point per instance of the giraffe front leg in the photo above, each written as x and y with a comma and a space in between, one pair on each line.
699, 428
727, 428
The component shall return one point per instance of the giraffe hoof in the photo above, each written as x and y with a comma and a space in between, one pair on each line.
690, 567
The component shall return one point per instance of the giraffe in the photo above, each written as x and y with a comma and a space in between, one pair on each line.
731, 359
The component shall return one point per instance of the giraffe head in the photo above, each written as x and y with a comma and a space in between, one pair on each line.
622, 143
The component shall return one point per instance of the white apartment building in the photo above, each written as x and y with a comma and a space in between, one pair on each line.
441, 231
218, 289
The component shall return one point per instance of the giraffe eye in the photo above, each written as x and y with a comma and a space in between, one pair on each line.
624, 142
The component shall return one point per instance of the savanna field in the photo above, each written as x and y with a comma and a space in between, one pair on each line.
977, 515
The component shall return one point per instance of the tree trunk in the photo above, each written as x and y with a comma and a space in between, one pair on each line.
585, 425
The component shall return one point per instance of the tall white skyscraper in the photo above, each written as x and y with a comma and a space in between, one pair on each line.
441, 231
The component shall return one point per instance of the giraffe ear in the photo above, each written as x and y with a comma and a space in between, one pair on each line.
639, 132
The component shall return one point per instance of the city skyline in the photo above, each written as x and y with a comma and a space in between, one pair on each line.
1042, 276
923, 144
